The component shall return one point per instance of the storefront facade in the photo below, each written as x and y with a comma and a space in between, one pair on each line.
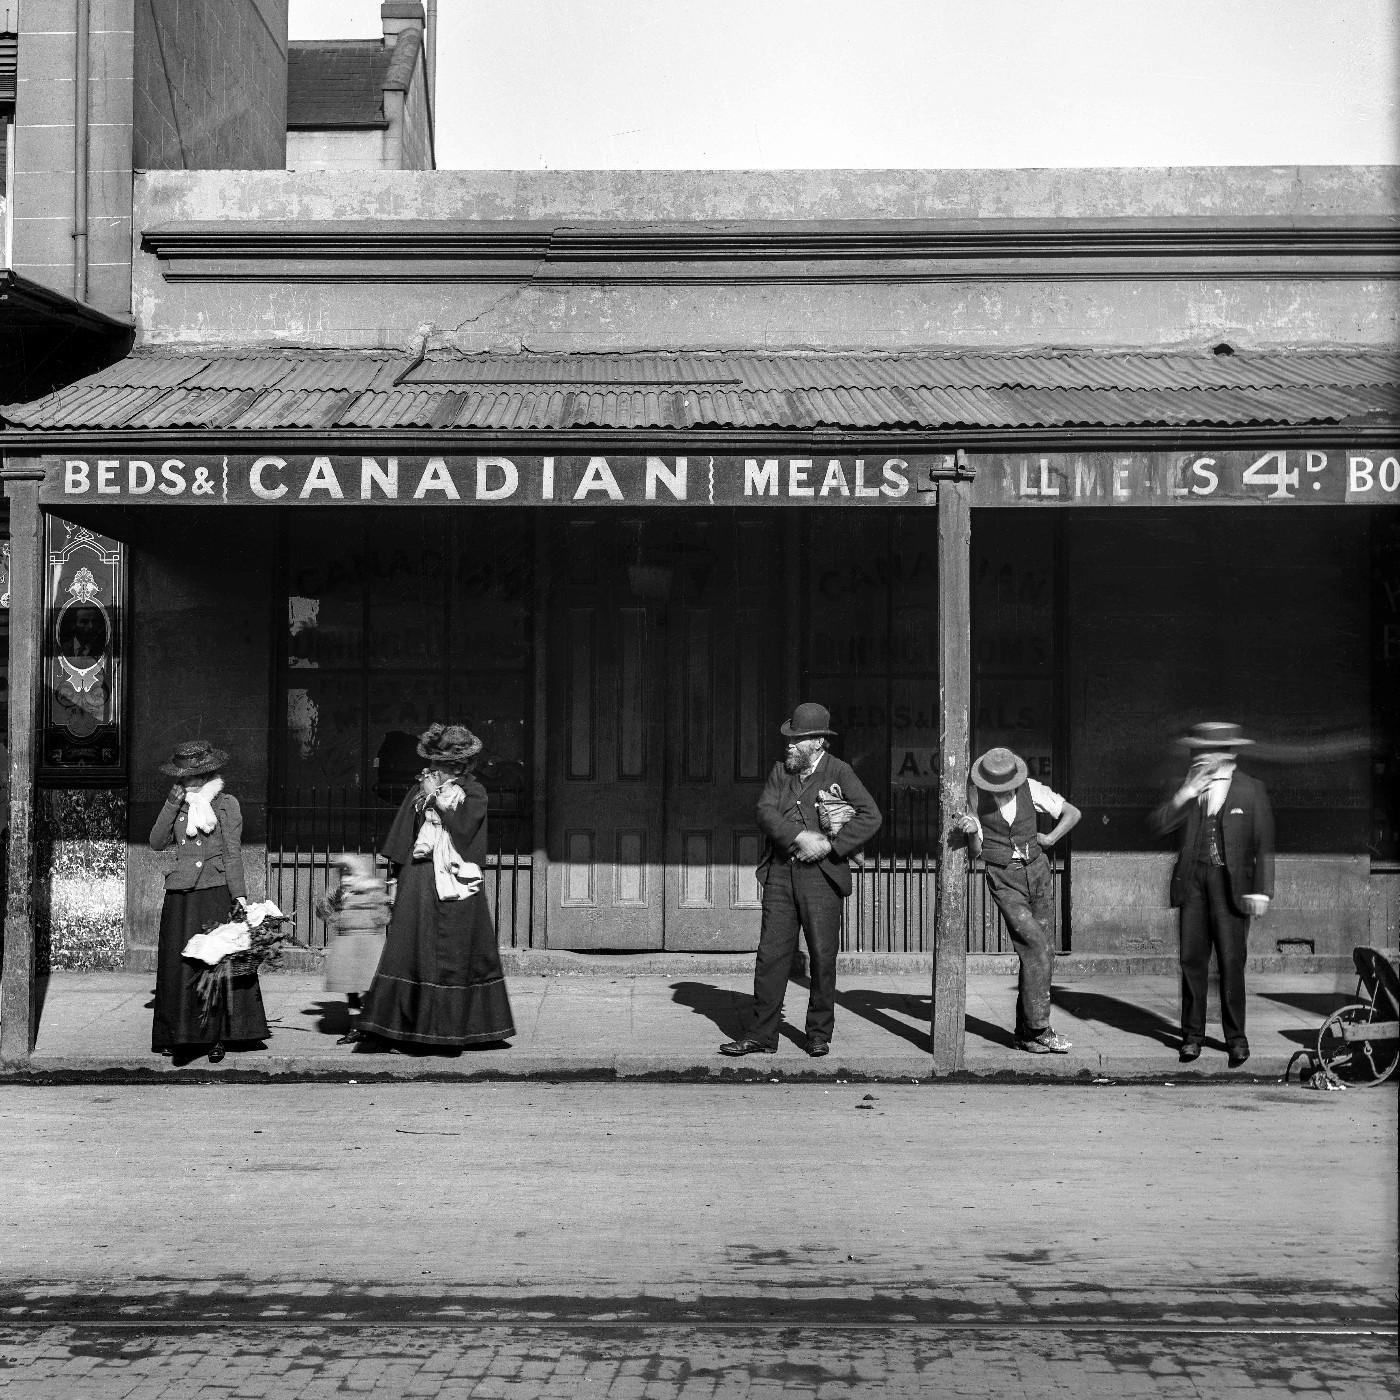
622, 564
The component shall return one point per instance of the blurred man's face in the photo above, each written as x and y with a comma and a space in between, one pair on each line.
801, 753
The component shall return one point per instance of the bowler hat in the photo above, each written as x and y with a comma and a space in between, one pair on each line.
808, 721
448, 743
194, 759
999, 770
1214, 734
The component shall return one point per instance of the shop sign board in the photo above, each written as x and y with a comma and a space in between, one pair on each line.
1274, 476
1270, 476
291, 480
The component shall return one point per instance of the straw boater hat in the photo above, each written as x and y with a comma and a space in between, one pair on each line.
999, 770
448, 743
1214, 734
195, 758
809, 721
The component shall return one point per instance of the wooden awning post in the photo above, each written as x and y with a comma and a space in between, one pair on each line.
955, 707
17, 1024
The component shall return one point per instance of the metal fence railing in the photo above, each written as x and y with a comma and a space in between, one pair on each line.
894, 882
986, 929
310, 827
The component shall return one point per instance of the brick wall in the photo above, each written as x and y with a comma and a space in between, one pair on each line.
211, 84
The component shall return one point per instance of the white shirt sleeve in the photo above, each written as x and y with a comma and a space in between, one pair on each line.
1046, 800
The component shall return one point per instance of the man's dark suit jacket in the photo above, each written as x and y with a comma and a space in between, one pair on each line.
782, 831
1247, 821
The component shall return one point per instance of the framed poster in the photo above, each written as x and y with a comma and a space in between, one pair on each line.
81, 723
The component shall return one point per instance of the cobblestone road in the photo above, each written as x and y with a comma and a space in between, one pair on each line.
676, 1363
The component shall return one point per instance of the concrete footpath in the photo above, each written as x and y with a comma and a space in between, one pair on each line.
612, 1023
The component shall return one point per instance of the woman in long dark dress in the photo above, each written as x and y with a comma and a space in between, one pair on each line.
204, 826
439, 982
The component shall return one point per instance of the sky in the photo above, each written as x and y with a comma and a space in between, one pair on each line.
882, 84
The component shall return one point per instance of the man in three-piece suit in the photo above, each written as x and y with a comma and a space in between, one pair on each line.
815, 813
1224, 876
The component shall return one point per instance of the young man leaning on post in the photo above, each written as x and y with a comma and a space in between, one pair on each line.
1001, 828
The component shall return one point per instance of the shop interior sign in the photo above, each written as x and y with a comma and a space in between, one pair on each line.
81, 723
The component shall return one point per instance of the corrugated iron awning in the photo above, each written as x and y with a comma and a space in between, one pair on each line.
261, 390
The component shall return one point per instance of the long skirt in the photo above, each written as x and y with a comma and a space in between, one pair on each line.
439, 981
178, 1012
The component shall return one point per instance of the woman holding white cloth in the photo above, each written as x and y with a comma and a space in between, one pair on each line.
439, 982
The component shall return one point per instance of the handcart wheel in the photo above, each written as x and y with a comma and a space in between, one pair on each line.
1356, 1061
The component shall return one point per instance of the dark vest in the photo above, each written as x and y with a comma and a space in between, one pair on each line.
1210, 840
1000, 838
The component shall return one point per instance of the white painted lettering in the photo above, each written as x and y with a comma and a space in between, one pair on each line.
861, 488
140, 478
255, 479
107, 478
1121, 490
798, 467
1316, 461
386, 477
436, 477
547, 479
322, 477
1086, 479
1360, 471
762, 481
1388, 475
172, 477
1201, 467
675, 480
896, 483
1174, 475
510, 478
1026, 488
75, 478
1045, 488
835, 479
598, 477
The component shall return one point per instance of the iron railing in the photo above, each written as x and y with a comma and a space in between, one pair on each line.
310, 827
895, 879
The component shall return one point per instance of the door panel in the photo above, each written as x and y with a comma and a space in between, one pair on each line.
605, 811
725, 689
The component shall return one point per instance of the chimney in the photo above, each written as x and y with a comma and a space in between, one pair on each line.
398, 15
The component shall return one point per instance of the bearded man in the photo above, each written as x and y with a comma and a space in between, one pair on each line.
815, 813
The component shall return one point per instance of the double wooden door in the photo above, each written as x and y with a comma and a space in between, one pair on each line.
665, 645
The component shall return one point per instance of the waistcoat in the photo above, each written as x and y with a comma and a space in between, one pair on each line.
999, 836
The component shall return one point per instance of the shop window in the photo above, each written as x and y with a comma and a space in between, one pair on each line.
408, 619
871, 654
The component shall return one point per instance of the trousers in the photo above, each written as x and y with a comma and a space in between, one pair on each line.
1024, 894
796, 897
1207, 921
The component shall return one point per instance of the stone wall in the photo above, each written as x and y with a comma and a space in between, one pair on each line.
211, 85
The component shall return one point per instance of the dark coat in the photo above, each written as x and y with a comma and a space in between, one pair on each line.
1247, 823
782, 831
203, 862
465, 824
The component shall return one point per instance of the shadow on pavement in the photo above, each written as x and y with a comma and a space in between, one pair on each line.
1321, 1004
730, 1011
1121, 1015
986, 1030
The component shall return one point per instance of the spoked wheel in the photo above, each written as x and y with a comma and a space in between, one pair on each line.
1352, 1060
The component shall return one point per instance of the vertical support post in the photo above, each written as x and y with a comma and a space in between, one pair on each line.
537, 934
17, 1006
954, 707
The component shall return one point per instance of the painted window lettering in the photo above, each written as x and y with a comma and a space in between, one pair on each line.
1280, 479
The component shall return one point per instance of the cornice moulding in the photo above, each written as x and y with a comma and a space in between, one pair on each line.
719, 253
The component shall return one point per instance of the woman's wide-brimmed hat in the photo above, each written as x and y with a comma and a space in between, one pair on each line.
448, 743
1214, 734
809, 721
195, 758
999, 770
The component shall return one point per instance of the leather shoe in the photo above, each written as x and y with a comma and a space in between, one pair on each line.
1238, 1055
745, 1046
816, 1047
216, 1053
1190, 1050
